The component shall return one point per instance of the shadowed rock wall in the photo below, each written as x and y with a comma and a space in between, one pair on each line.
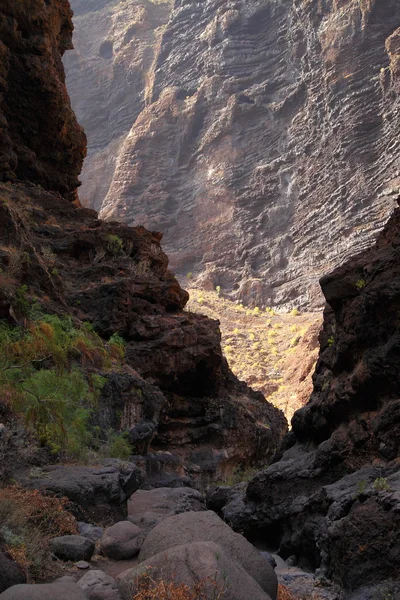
40, 139
332, 499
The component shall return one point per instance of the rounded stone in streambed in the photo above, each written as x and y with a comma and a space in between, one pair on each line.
92, 532
97, 585
122, 541
206, 526
47, 591
72, 547
203, 564
10, 573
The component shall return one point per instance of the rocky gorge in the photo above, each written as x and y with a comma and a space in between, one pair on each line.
246, 131
119, 411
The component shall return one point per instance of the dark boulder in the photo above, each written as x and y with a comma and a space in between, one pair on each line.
10, 573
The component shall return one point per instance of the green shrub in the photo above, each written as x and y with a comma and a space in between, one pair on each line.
119, 446
115, 244
44, 380
360, 284
381, 484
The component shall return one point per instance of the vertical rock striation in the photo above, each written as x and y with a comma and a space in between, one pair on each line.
270, 127
109, 78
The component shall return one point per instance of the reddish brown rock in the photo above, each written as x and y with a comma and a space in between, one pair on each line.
40, 139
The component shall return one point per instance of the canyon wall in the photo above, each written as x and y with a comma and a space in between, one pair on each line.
174, 392
332, 499
261, 137
40, 139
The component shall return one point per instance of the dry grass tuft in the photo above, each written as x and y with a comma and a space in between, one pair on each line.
284, 593
27, 522
261, 348
149, 589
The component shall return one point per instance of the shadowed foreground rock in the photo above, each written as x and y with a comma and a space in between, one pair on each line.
332, 500
47, 591
190, 564
206, 526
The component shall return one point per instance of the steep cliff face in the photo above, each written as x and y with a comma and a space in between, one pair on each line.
270, 128
40, 139
109, 78
333, 497
174, 390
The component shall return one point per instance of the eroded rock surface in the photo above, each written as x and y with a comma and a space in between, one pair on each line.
174, 390
40, 139
189, 527
205, 563
332, 500
269, 128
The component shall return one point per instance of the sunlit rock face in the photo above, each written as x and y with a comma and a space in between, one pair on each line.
261, 136
108, 74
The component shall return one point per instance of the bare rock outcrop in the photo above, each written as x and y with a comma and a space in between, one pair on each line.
174, 390
332, 499
268, 128
109, 78
40, 139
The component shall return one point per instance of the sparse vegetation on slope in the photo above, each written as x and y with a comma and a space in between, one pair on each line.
47, 376
273, 352
28, 521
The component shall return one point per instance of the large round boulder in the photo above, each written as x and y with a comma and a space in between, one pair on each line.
46, 591
10, 573
201, 566
122, 541
72, 547
146, 508
97, 585
206, 526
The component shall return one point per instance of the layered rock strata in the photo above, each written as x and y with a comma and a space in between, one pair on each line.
261, 129
174, 390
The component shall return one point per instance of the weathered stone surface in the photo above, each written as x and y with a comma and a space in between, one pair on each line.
40, 140
146, 508
121, 541
92, 532
190, 564
97, 492
174, 391
332, 500
72, 547
10, 573
46, 591
269, 128
116, 43
206, 526
97, 585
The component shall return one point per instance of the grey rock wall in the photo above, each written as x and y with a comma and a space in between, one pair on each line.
260, 136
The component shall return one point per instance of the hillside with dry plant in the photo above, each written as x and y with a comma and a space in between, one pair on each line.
275, 353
